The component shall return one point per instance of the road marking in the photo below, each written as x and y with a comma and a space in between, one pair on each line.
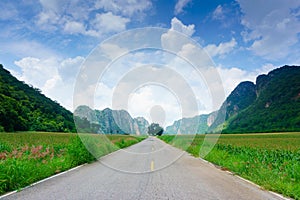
152, 165
152, 148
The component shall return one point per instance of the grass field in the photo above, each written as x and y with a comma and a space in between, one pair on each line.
270, 160
27, 157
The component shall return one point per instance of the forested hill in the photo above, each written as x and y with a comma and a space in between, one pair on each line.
272, 104
24, 108
276, 107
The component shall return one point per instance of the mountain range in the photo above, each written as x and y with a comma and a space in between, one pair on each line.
110, 121
272, 104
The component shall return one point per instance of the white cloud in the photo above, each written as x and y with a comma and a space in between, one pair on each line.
74, 27
231, 77
172, 40
124, 7
69, 68
54, 77
108, 22
271, 26
50, 16
78, 17
144, 99
36, 71
177, 25
222, 49
218, 13
112, 50
180, 5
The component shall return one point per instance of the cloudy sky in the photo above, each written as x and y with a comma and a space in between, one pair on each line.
44, 43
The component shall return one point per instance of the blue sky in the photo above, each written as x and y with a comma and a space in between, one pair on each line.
44, 42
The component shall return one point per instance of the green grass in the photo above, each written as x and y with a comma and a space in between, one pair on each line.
27, 157
270, 160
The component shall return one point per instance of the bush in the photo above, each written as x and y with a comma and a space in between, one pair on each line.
78, 153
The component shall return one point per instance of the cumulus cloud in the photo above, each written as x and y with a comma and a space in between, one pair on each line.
108, 22
231, 77
180, 5
146, 98
222, 49
89, 18
171, 40
272, 27
112, 50
74, 27
177, 25
54, 77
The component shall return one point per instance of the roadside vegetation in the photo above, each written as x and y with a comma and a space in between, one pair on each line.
269, 160
26, 157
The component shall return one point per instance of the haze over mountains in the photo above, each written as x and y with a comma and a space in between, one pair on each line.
272, 104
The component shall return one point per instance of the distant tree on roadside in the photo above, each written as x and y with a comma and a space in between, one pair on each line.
155, 129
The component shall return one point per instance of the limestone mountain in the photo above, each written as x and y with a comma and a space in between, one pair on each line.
277, 106
142, 124
240, 98
197, 124
270, 105
110, 121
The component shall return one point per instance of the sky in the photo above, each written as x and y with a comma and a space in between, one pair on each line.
46, 43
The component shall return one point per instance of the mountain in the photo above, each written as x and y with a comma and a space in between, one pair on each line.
277, 106
197, 124
240, 98
142, 124
24, 108
272, 104
110, 121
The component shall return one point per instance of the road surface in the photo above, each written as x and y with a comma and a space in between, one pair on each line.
148, 170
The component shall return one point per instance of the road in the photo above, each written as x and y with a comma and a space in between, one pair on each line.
148, 170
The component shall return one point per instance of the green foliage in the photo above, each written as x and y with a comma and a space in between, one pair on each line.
277, 170
155, 129
272, 105
239, 99
23, 108
277, 107
270, 160
78, 154
83, 125
31, 156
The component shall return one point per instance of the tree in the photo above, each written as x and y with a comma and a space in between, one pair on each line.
155, 129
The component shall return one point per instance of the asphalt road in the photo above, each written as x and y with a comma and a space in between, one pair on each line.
148, 170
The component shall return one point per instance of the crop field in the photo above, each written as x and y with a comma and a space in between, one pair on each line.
269, 160
26, 157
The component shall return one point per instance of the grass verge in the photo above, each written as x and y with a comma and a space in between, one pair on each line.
269, 160
31, 156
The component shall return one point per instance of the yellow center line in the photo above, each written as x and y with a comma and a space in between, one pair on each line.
152, 165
